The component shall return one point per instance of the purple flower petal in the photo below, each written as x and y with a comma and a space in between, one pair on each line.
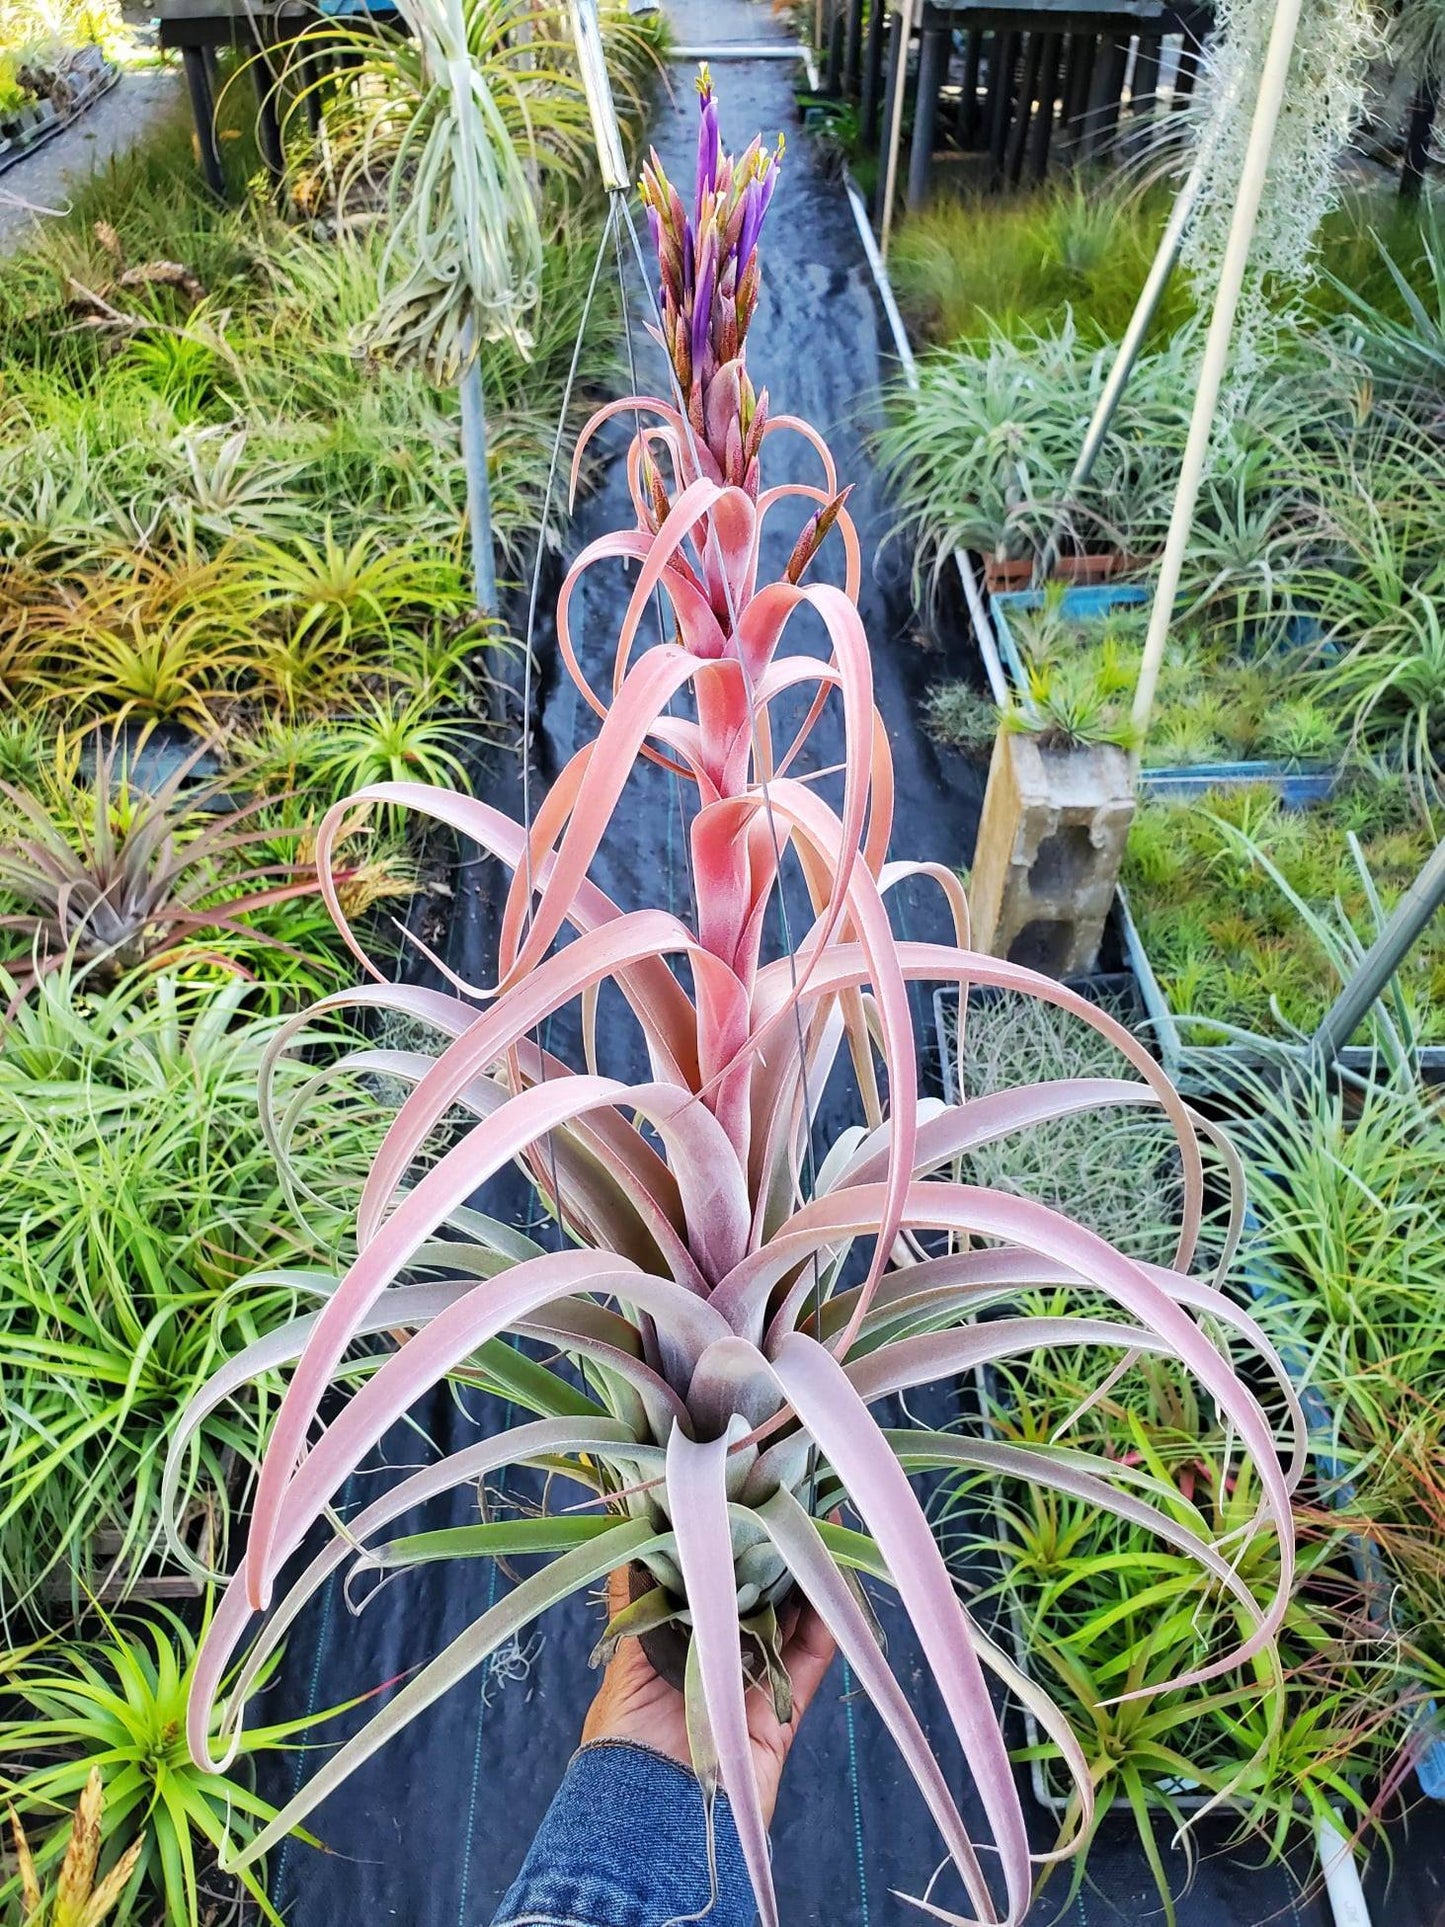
702, 303
752, 221
767, 181
709, 147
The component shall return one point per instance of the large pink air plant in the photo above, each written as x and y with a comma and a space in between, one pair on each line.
725, 1442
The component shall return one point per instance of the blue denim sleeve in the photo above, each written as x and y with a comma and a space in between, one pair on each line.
624, 1844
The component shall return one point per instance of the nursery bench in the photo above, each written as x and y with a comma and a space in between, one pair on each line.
257, 28
1035, 52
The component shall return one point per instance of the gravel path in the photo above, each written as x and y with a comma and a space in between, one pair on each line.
40, 185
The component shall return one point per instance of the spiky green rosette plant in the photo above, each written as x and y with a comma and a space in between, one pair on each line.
729, 1359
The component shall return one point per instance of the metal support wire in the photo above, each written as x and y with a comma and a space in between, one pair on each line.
1406, 923
479, 488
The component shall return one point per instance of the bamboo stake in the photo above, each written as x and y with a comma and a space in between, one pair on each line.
1216, 351
895, 123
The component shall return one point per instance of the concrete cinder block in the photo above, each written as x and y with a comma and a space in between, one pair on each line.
1050, 844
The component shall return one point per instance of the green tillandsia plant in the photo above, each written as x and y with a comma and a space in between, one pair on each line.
460, 117
1349, 1192
1391, 686
118, 1700
138, 1201
481, 93
1098, 1609
1255, 915
728, 1358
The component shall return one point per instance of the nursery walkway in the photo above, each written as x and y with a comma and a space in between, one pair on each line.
140, 100
430, 1831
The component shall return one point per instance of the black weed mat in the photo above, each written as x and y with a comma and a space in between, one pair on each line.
431, 1830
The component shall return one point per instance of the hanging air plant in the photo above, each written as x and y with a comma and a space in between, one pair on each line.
484, 83
1323, 105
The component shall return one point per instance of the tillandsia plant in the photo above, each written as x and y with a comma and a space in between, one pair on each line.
729, 1350
107, 874
460, 120
466, 104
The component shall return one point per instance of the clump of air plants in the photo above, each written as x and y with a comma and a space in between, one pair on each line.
101, 872
1253, 915
736, 1292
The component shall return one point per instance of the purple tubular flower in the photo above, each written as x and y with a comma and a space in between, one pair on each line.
767, 181
753, 206
709, 146
756, 198
702, 301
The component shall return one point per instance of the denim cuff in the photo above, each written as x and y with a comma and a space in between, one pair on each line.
624, 1844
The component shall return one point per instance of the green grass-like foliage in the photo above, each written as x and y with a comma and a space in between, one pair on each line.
1251, 913
966, 268
117, 1702
1082, 245
1101, 1610
1350, 1191
136, 1193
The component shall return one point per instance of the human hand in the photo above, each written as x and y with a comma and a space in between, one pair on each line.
633, 1704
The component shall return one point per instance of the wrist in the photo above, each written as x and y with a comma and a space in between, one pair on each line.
626, 1844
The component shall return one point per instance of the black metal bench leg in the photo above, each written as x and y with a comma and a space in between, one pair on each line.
872, 74
968, 105
1047, 92
203, 111
833, 83
1023, 111
897, 51
1002, 66
933, 53
853, 49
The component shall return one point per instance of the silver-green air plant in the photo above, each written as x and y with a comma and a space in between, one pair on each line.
486, 89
